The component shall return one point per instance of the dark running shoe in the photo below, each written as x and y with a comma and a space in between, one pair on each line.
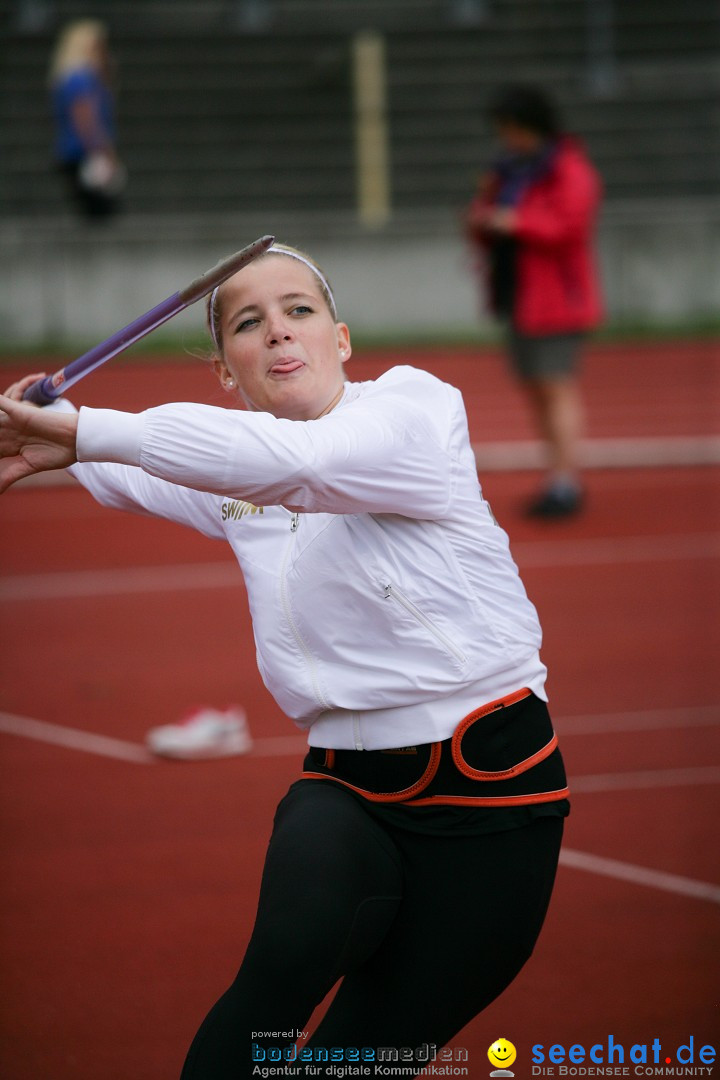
556, 503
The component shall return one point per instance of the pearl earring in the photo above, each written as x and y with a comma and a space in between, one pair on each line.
230, 383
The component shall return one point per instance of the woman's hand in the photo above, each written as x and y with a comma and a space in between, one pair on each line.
492, 220
501, 220
17, 389
32, 440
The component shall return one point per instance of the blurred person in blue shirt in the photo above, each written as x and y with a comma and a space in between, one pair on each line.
84, 113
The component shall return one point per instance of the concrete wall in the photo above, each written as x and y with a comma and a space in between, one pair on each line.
65, 281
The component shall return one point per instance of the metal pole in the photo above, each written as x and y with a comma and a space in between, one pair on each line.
372, 148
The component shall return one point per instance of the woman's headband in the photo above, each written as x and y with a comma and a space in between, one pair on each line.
327, 291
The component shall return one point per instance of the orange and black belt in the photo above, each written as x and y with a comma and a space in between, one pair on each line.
503, 754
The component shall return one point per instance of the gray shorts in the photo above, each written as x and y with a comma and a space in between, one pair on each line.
547, 357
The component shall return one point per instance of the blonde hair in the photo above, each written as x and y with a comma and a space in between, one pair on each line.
212, 307
77, 47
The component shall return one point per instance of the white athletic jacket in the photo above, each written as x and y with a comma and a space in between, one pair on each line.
384, 600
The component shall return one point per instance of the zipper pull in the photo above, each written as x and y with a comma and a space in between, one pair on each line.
294, 522
387, 591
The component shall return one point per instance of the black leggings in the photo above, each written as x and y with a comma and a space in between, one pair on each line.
426, 930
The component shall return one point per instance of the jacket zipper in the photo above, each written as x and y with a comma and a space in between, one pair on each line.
393, 593
285, 600
357, 739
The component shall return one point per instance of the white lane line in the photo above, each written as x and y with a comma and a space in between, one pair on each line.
510, 455
647, 778
611, 453
650, 451
74, 739
619, 550
642, 720
279, 746
38, 509
88, 742
640, 875
286, 745
121, 580
222, 575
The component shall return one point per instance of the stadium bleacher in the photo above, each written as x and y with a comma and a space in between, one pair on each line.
228, 103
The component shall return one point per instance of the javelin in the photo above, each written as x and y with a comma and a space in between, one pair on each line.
46, 390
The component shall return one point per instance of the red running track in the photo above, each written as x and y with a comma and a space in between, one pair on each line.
128, 887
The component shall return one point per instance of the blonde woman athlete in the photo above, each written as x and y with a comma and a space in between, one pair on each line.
414, 857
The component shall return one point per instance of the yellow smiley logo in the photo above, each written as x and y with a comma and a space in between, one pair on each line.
502, 1053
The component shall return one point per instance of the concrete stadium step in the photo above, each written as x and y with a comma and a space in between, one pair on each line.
198, 97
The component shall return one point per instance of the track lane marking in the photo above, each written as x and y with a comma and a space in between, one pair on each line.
120, 581
640, 875
91, 743
639, 720
88, 742
279, 746
620, 550
529, 554
646, 778
284, 745
38, 509
512, 455
74, 739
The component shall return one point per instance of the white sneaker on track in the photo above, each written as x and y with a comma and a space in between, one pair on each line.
203, 733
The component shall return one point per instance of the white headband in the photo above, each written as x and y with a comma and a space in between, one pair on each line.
291, 255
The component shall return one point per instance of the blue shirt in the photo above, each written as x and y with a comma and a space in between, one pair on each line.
517, 172
74, 86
